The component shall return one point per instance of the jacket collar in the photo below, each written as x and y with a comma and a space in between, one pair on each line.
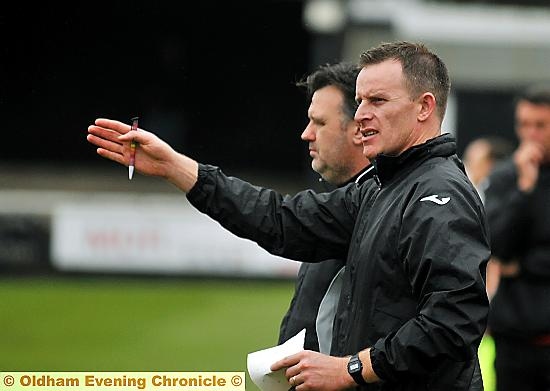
366, 173
388, 166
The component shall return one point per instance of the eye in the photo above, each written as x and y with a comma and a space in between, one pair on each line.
540, 125
318, 121
377, 100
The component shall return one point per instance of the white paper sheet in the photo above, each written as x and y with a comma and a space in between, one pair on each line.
258, 364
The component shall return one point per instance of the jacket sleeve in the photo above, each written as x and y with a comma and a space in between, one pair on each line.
506, 208
444, 250
307, 227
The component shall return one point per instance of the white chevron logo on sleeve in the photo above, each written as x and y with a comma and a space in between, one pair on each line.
434, 198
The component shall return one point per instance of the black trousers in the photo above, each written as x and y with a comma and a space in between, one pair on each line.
521, 365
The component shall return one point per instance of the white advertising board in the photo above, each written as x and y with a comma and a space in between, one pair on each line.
153, 234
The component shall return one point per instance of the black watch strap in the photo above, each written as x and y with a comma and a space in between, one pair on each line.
355, 369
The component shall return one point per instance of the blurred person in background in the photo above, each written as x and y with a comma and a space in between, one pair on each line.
336, 151
518, 210
413, 306
479, 158
481, 155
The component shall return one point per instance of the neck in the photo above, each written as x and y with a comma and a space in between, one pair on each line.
353, 175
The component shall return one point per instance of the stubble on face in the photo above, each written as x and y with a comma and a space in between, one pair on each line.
329, 144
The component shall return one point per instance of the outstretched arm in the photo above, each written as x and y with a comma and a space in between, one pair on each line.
153, 156
308, 226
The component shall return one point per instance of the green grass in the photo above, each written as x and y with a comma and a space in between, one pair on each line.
94, 324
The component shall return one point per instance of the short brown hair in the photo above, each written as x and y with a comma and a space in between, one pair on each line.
423, 70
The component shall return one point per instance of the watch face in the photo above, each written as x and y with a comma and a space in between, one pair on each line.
354, 366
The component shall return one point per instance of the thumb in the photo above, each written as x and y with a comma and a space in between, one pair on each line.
141, 136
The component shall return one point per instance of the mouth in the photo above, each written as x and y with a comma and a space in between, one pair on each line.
368, 133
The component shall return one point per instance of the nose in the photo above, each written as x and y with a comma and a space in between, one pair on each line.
362, 115
308, 134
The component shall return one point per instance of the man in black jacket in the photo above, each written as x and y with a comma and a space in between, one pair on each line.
337, 155
518, 210
413, 306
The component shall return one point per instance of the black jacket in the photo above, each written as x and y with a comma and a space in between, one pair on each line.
311, 285
520, 230
414, 286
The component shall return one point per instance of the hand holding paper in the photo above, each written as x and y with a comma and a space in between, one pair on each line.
259, 363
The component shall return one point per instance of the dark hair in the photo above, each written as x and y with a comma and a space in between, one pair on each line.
538, 95
423, 70
342, 76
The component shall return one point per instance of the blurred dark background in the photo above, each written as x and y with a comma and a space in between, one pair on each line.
214, 79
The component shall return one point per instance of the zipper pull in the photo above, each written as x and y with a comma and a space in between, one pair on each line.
377, 180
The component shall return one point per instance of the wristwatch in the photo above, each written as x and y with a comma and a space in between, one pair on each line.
355, 369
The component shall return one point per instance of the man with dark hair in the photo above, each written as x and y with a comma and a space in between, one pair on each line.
518, 210
413, 306
337, 155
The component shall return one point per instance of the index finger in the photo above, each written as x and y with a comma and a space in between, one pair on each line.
286, 362
120, 127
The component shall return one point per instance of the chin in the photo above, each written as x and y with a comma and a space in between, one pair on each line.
369, 153
320, 170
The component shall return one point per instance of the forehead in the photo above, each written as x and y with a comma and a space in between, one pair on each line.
381, 77
477, 149
327, 97
529, 111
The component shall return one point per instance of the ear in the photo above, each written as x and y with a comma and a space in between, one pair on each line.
353, 128
427, 106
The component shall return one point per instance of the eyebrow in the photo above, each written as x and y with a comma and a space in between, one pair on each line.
370, 95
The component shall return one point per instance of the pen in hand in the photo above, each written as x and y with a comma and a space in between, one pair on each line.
132, 149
